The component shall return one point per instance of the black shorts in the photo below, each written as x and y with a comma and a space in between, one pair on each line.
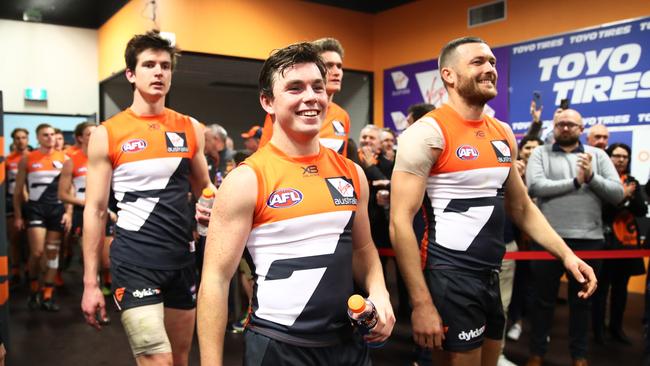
44, 215
135, 286
261, 350
78, 223
9, 204
469, 305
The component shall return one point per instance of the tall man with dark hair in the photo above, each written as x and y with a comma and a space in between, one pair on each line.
300, 212
463, 160
151, 157
336, 124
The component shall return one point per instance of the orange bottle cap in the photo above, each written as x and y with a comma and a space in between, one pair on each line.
356, 303
208, 192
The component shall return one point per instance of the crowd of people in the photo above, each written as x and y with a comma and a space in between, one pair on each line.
304, 217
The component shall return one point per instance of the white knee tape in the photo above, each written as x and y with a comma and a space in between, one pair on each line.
53, 263
52, 247
145, 329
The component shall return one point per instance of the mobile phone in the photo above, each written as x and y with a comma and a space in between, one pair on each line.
537, 98
564, 103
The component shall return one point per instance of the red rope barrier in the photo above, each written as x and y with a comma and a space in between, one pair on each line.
543, 255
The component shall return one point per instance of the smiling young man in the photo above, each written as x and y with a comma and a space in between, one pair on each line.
151, 157
300, 212
462, 159
336, 124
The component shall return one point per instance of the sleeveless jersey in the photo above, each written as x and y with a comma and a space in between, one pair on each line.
465, 192
72, 150
333, 133
151, 168
43, 171
79, 169
300, 245
12, 170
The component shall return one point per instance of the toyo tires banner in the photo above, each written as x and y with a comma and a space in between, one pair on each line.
603, 72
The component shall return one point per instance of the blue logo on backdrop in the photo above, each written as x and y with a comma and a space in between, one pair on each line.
604, 73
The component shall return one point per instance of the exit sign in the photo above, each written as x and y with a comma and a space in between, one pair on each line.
36, 94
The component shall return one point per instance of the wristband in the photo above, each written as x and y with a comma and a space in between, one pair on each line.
576, 183
588, 180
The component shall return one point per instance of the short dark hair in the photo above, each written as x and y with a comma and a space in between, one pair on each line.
418, 110
43, 126
528, 138
81, 127
150, 40
449, 49
284, 58
329, 44
626, 147
18, 129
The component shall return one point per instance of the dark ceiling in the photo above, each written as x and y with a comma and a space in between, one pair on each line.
74, 13
93, 13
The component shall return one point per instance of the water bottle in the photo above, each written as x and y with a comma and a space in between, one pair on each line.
206, 199
364, 316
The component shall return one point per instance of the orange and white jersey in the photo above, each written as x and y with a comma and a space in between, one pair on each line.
79, 169
12, 170
333, 133
72, 150
151, 158
465, 190
43, 171
301, 245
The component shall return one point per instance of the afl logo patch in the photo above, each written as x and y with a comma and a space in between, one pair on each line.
284, 198
134, 146
57, 164
467, 152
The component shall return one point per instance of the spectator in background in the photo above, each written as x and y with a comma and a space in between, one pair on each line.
252, 138
378, 169
416, 111
621, 232
570, 182
520, 286
646, 310
218, 156
388, 141
598, 136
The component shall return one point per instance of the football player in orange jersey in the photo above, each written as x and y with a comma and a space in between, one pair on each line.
151, 157
463, 160
44, 215
300, 212
20, 137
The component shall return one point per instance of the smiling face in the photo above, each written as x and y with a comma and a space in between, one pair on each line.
472, 73
153, 73
299, 100
334, 65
